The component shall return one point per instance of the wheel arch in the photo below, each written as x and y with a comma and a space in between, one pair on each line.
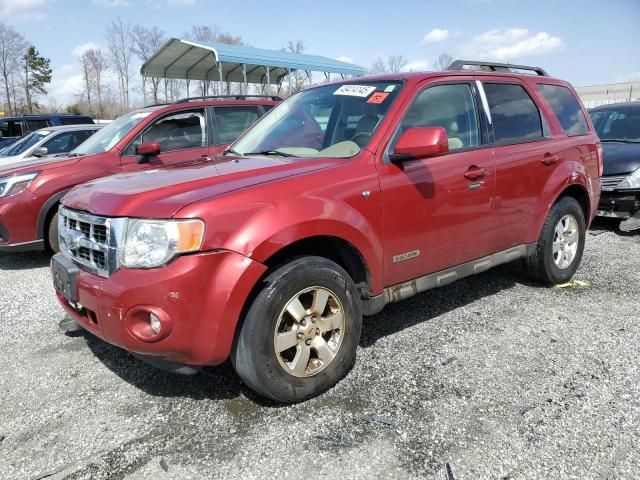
47, 211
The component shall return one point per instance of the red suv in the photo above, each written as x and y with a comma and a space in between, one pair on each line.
189, 129
343, 198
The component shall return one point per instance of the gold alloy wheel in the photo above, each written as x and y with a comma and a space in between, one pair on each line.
565, 241
309, 332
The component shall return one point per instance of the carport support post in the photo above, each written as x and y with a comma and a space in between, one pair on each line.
187, 87
166, 95
244, 77
289, 79
220, 76
268, 81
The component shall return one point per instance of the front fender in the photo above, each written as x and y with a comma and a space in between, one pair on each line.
564, 176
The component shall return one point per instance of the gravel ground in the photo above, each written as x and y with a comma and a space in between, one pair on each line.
498, 378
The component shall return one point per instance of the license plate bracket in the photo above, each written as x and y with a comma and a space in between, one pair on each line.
65, 277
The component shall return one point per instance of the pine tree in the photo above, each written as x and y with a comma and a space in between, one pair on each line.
37, 74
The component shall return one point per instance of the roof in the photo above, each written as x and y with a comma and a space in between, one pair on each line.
44, 115
69, 128
618, 106
179, 58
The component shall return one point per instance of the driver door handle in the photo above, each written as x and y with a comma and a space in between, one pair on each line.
475, 173
549, 159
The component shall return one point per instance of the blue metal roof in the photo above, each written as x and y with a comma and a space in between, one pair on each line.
199, 61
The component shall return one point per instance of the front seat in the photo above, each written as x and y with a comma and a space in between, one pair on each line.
364, 129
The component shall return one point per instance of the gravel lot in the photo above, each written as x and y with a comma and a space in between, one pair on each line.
497, 377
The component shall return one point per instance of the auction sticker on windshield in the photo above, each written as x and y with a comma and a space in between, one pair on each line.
355, 90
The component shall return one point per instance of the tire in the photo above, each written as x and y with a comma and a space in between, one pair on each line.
52, 235
279, 375
548, 263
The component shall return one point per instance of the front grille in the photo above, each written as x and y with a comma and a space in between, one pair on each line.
612, 182
87, 240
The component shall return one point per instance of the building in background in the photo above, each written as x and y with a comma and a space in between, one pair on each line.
596, 95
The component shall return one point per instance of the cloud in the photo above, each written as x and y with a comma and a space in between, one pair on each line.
344, 58
436, 35
19, 10
182, 3
509, 44
416, 66
111, 3
80, 49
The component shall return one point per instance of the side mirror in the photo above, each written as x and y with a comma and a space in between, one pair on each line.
41, 152
420, 142
146, 150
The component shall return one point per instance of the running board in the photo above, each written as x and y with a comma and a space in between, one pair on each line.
408, 289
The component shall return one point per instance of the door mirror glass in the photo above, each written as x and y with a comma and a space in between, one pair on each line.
421, 142
41, 152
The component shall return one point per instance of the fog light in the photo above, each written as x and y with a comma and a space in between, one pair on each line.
148, 323
155, 323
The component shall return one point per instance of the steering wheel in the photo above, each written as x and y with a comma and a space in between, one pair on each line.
361, 138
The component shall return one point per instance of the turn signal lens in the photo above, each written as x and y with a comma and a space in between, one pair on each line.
190, 234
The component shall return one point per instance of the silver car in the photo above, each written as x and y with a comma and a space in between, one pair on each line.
47, 141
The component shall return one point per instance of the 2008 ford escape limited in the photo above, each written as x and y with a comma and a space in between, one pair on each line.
343, 198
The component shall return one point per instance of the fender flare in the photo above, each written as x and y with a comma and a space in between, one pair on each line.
46, 209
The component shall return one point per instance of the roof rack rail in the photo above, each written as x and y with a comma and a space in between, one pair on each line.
496, 67
228, 97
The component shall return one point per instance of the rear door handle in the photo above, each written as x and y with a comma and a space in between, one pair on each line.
549, 159
475, 173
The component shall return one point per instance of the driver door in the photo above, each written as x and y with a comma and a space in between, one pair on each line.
434, 216
182, 137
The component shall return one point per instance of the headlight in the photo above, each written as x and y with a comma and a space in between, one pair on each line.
152, 243
632, 181
16, 183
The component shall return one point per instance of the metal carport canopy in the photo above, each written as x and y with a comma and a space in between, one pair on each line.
183, 59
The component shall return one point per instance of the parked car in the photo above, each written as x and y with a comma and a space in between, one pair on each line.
618, 126
46, 141
271, 254
13, 128
140, 140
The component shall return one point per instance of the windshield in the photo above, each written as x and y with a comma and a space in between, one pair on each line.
24, 143
328, 121
621, 125
106, 138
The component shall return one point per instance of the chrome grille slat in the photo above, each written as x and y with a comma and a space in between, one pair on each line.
89, 240
612, 181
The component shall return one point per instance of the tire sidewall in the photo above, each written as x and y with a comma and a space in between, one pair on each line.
565, 206
257, 334
52, 234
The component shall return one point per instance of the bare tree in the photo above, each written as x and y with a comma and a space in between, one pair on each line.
443, 61
87, 77
12, 47
297, 78
98, 65
392, 64
119, 41
147, 41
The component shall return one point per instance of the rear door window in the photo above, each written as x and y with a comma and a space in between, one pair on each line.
515, 116
37, 124
177, 131
566, 108
232, 121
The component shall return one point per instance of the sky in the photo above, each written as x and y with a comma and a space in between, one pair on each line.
586, 42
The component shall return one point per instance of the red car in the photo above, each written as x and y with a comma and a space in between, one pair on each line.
342, 199
189, 129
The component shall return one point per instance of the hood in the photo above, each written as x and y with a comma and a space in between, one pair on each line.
620, 158
161, 192
30, 164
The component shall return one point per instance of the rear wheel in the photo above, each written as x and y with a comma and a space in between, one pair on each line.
300, 335
561, 244
52, 234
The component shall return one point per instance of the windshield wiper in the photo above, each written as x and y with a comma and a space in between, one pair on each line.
272, 152
69, 154
232, 152
619, 140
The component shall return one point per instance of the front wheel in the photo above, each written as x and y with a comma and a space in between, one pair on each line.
559, 249
300, 334
52, 234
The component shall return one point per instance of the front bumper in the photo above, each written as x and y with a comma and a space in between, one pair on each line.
18, 223
202, 295
618, 203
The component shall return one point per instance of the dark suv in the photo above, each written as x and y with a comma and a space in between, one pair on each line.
12, 128
618, 126
170, 134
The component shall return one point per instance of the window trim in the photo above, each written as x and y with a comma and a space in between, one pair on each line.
541, 112
483, 130
156, 119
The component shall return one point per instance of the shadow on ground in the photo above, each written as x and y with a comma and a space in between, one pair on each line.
24, 261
